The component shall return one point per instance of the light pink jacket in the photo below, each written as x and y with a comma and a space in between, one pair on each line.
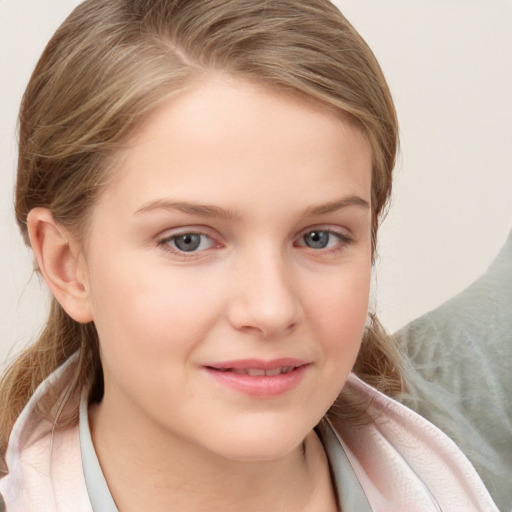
403, 462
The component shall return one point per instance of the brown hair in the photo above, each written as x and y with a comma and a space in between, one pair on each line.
112, 62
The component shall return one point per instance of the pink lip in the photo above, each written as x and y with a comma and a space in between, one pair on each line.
262, 386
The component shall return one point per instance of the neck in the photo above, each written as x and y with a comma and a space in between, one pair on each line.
155, 471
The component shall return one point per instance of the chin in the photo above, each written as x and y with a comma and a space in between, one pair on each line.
262, 454
262, 446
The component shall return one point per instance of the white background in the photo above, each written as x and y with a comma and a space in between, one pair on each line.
449, 66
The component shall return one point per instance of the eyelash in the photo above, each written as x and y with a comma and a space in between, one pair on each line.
164, 243
343, 240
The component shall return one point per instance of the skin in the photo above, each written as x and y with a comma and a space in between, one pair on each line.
272, 169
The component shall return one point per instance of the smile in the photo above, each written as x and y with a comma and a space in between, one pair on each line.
259, 379
260, 372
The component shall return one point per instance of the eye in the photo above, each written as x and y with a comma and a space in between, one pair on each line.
187, 242
322, 239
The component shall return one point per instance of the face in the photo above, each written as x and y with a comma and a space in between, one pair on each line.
228, 269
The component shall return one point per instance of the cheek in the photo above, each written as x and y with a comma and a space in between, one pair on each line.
144, 309
340, 308
342, 298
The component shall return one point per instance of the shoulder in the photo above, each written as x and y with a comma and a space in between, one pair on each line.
402, 459
472, 328
462, 371
43, 459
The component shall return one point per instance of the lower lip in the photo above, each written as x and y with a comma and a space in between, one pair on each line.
261, 386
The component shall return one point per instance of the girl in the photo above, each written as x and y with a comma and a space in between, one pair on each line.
201, 183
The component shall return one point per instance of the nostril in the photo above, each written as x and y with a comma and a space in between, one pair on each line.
265, 303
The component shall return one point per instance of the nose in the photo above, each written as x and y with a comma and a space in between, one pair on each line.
265, 299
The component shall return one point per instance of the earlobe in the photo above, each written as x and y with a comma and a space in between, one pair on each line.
58, 258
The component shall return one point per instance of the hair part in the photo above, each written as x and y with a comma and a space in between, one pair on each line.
112, 63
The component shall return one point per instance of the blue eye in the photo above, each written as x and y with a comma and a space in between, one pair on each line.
321, 239
188, 242
317, 239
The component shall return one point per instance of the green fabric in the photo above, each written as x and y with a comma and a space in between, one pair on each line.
462, 373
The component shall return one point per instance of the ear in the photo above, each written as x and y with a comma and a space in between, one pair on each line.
60, 262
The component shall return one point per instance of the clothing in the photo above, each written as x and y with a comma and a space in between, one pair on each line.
397, 462
462, 374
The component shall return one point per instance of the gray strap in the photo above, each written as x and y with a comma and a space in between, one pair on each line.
351, 496
97, 488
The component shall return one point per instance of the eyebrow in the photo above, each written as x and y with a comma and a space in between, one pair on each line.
206, 210
337, 204
202, 210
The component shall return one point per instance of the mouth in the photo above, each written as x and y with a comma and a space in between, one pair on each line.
262, 379
258, 372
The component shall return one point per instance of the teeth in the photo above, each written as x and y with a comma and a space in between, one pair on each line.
259, 372
256, 372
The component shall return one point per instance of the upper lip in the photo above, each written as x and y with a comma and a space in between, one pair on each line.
257, 364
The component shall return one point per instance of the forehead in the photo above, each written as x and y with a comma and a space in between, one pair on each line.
228, 136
